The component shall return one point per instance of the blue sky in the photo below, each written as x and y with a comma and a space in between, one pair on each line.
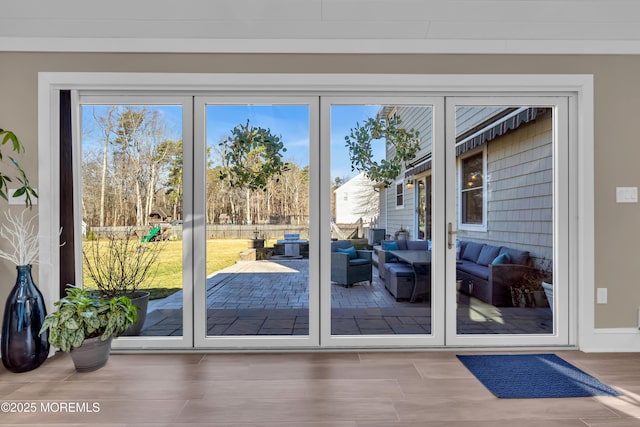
171, 115
291, 122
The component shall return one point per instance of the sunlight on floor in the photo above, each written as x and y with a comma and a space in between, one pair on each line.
628, 403
258, 267
482, 312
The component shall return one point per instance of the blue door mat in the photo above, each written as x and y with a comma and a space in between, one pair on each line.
522, 376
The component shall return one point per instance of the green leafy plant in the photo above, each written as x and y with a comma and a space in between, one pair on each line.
25, 190
82, 315
359, 142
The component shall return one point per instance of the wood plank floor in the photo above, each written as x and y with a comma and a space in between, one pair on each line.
304, 390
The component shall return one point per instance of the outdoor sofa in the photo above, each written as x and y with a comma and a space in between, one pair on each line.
488, 271
485, 271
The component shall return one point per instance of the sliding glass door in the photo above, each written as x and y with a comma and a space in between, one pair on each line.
256, 247
373, 291
508, 240
333, 220
135, 210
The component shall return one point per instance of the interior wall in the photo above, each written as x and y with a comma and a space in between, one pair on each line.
616, 148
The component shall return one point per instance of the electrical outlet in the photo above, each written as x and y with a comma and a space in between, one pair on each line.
601, 296
626, 194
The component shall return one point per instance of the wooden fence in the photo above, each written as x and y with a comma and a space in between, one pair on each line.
214, 231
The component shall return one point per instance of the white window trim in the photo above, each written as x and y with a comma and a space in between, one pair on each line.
416, 200
581, 181
473, 227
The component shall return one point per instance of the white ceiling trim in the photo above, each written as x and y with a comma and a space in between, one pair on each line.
398, 46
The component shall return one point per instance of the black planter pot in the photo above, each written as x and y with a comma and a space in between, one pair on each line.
24, 312
91, 355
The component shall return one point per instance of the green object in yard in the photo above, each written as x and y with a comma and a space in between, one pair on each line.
149, 237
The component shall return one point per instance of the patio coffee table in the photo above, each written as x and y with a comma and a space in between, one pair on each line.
420, 261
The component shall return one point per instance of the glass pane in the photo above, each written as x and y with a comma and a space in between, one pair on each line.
505, 230
472, 172
257, 216
422, 210
472, 206
132, 209
374, 209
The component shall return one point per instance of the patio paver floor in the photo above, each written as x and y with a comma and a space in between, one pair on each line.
271, 298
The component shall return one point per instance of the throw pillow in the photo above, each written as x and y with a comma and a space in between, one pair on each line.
390, 246
472, 251
517, 257
351, 251
502, 259
488, 254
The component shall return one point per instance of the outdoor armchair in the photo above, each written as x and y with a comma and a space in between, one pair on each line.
347, 269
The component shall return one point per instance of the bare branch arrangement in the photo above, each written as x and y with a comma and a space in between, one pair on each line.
119, 264
22, 237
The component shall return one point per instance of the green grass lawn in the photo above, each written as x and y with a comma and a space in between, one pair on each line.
167, 278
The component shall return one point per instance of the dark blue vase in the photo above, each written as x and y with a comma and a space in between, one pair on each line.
24, 313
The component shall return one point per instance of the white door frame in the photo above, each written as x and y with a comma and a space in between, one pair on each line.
582, 243
436, 337
201, 340
564, 142
123, 98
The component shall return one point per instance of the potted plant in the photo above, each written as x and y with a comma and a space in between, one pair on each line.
118, 265
22, 348
83, 324
529, 291
24, 311
402, 233
547, 281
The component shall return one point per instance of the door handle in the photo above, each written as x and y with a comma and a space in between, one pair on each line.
450, 235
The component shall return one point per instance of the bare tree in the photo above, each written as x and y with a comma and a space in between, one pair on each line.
131, 167
136, 163
106, 125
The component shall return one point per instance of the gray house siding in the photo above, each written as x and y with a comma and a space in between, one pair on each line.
396, 217
420, 119
469, 117
382, 214
519, 182
520, 190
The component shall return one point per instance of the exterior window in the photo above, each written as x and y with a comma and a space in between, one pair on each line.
423, 212
472, 190
399, 195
